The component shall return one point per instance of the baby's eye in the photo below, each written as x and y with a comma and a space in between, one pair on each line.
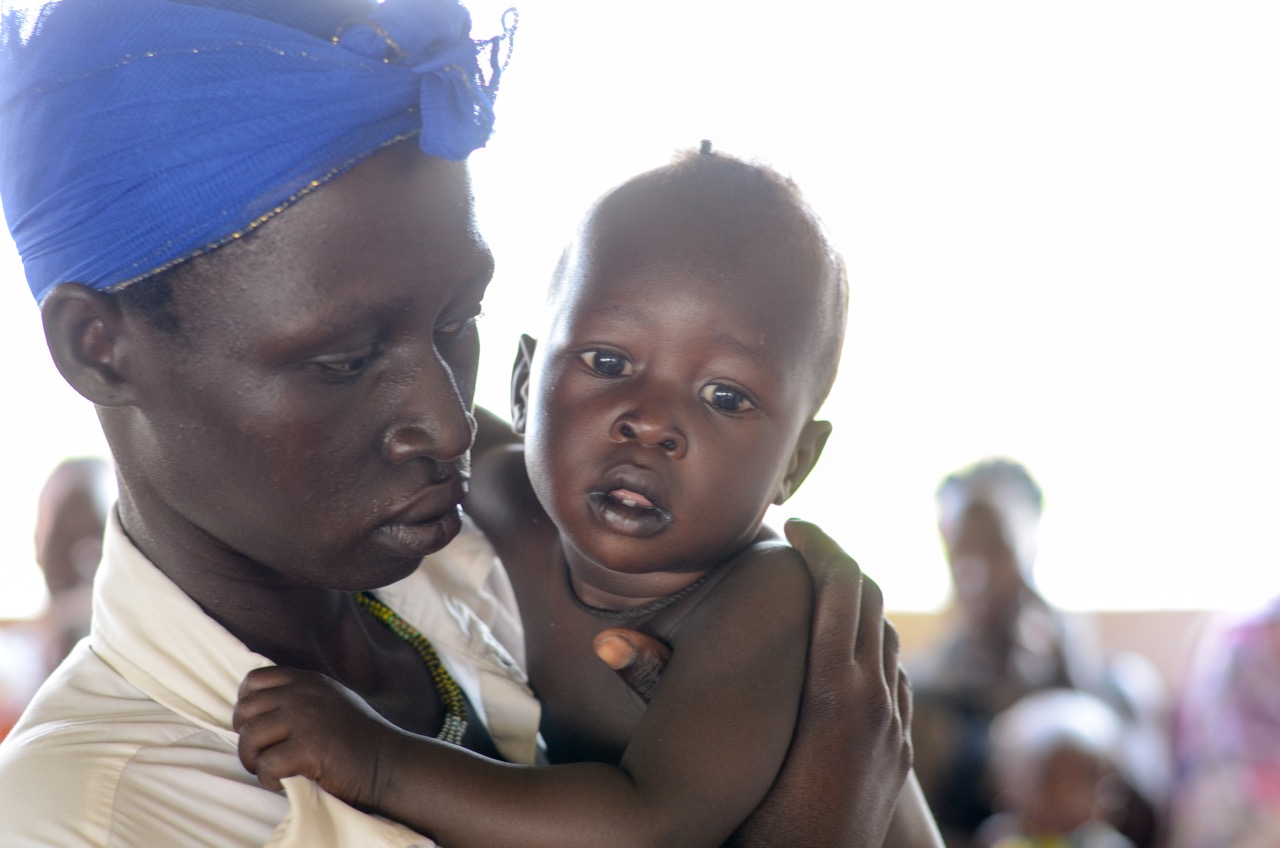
606, 363
726, 398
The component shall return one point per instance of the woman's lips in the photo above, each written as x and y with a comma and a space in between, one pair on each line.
416, 537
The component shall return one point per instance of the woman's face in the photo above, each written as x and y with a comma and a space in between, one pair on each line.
311, 421
984, 566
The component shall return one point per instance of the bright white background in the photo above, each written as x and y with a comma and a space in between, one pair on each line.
1060, 221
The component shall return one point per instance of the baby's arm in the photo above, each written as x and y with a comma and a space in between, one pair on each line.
492, 432
294, 722
706, 752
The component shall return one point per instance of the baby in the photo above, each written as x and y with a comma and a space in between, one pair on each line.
1053, 758
696, 324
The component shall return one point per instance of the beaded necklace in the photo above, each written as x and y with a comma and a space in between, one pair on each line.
455, 720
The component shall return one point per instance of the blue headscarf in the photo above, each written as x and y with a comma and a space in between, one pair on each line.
135, 134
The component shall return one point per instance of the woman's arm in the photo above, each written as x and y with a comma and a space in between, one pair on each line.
846, 779
912, 825
852, 750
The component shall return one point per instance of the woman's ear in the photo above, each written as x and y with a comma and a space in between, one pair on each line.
813, 438
85, 331
520, 372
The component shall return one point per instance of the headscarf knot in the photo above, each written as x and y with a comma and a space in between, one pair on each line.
433, 40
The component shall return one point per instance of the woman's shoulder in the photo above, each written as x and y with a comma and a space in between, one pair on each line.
95, 754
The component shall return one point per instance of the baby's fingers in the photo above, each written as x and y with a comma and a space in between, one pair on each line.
276, 762
258, 692
273, 677
260, 734
249, 707
264, 716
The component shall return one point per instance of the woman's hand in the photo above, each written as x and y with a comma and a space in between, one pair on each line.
851, 754
852, 750
637, 657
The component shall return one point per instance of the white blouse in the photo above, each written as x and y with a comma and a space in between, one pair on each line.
129, 743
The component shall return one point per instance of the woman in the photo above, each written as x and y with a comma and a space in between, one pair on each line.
251, 232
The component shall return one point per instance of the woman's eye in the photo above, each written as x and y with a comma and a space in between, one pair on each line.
726, 399
347, 364
607, 363
454, 328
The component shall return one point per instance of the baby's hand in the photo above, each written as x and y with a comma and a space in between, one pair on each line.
295, 722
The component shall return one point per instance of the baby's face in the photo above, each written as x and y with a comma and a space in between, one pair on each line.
668, 397
1064, 795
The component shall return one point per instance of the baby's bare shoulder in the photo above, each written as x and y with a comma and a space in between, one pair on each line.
499, 497
772, 561
769, 579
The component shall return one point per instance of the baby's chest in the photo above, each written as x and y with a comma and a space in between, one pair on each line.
588, 713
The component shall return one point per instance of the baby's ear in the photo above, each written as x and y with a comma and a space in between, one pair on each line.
813, 438
520, 383
88, 339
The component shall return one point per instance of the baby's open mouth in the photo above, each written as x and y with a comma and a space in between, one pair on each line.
635, 500
630, 512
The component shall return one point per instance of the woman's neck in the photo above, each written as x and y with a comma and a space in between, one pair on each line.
306, 627
288, 623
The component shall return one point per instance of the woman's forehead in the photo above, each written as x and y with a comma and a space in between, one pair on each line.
396, 230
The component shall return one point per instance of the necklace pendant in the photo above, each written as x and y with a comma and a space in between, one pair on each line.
455, 727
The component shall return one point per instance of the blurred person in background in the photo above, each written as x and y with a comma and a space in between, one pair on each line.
70, 518
71, 513
1053, 757
22, 670
1004, 641
1227, 744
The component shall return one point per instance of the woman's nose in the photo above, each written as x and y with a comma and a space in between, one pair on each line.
433, 422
